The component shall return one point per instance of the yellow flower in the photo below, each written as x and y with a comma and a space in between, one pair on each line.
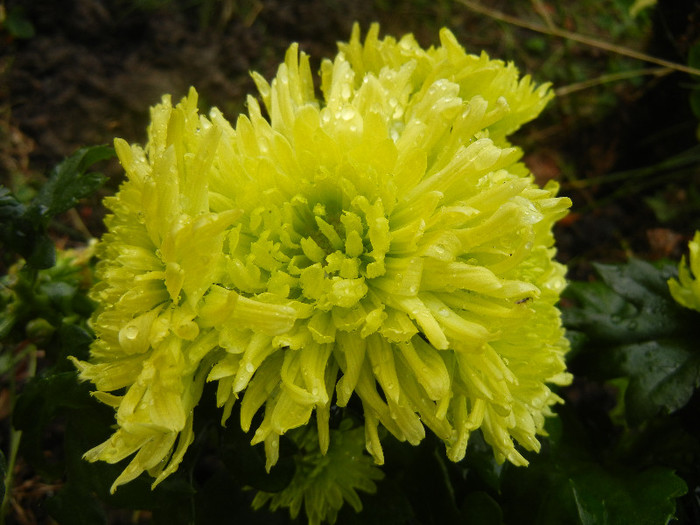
687, 291
383, 241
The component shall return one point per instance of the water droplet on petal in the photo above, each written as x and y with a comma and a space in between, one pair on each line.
348, 114
444, 312
250, 368
131, 332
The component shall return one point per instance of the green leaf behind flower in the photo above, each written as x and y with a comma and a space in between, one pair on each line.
70, 181
624, 496
23, 227
570, 483
633, 328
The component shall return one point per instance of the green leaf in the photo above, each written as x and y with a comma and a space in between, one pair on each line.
663, 376
10, 207
630, 303
611, 497
23, 228
568, 482
69, 182
633, 328
390, 505
22, 235
17, 24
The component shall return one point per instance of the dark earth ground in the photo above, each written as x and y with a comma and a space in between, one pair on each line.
93, 68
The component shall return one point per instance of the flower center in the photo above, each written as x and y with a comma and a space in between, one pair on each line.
318, 249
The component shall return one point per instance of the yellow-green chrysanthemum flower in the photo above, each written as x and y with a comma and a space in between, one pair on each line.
382, 241
687, 291
322, 482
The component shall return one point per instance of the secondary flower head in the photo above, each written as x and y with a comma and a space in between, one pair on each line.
686, 290
380, 243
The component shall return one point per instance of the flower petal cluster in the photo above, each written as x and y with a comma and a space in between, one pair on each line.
322, 482
380, 245
686, 289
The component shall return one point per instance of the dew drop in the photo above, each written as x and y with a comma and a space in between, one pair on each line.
444, 312
413, 289
131, 332
348, 114
345, 92
250, 368
314, 392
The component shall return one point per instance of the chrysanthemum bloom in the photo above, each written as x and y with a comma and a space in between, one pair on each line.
686, 290
323, 482
382, 241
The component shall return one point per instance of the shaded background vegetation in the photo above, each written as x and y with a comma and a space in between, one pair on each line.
621, 137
